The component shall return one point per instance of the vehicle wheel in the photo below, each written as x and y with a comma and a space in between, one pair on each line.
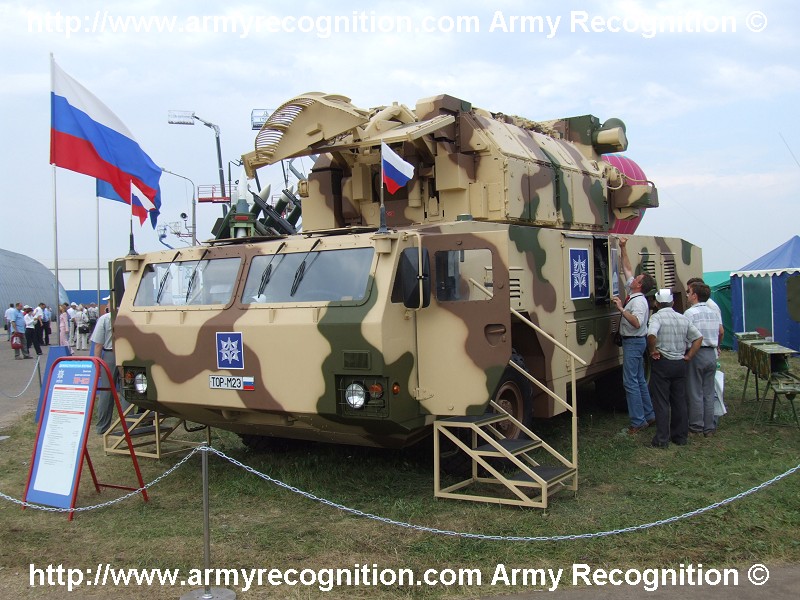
515, 395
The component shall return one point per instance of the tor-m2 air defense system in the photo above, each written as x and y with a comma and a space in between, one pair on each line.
352, 333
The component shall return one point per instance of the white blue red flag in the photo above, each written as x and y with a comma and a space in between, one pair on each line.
396, 171
106, 191
86, 137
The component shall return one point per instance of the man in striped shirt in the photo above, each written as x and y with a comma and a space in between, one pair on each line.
672, 341
700, 378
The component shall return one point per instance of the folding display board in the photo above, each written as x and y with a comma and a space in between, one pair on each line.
60, 448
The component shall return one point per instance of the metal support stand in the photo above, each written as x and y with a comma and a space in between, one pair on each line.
207, 593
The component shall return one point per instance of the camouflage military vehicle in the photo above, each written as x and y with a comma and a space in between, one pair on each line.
353, 333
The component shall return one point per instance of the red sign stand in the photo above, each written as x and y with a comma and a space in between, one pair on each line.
64, 430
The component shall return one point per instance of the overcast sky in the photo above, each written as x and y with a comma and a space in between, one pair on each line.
710, 107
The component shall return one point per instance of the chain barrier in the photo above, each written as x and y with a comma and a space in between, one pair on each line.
30, 381
164, 475
411, 526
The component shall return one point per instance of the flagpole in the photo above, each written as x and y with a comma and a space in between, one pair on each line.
382, 228
55, 203
55, 238
131, 250
98, 246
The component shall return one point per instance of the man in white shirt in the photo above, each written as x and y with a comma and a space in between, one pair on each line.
700, 378
633, 329
9, 318
71, 311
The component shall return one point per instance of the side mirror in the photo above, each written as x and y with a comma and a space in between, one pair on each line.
119, 287
412, 280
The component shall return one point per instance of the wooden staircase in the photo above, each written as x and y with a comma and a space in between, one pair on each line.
503, 471
151, 435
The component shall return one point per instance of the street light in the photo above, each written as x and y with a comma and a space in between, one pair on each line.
194, 205
187, 117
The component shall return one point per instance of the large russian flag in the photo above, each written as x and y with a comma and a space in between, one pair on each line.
396, 171
86, 137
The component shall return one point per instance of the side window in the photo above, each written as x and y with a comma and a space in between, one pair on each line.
455, 268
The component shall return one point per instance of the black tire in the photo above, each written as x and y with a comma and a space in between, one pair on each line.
514, 394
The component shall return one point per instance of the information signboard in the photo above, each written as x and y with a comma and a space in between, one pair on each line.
62, 434
60, 447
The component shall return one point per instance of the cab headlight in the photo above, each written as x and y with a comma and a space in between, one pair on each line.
140, 383
355, 395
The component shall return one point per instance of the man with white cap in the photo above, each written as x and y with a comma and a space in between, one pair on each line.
672, 341
71, 311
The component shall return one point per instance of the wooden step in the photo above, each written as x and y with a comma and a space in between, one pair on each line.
514, 447
134, 418
469, 420
146, 430
551, 475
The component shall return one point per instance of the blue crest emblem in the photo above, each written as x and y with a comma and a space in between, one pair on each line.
578, 273
230, 352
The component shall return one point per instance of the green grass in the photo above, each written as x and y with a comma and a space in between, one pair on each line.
623, 482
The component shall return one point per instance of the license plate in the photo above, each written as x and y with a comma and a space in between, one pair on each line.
218, 382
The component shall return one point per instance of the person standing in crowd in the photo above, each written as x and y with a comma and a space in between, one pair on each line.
18, 329
700, 378
82, 329
10, 311
633, 329
711, 304
672, 341
63, 325
31, 338
102, 336
38, 326
73, 308
47, 317
94, 314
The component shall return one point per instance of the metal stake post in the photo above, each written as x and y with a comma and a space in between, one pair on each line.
207, 593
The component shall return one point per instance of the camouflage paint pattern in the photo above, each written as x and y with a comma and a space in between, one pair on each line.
495, 200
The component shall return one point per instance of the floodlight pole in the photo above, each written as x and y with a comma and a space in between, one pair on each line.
194, 204
219, 151
181, 117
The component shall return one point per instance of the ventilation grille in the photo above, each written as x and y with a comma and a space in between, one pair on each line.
649, 266
354, 359
670, 277
514, 288
583, 333
270, 136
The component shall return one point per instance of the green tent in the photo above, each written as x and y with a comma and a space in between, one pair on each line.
720, 284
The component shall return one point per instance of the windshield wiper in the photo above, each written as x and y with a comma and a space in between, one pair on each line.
301, 270
163, 281
190, 285
267, 274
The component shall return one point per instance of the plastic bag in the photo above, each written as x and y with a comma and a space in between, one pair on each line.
719, 387
16, 341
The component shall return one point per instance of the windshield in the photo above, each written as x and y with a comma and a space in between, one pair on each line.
188, 283
323, 276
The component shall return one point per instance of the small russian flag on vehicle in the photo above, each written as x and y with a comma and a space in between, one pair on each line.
396, 171
248, 383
